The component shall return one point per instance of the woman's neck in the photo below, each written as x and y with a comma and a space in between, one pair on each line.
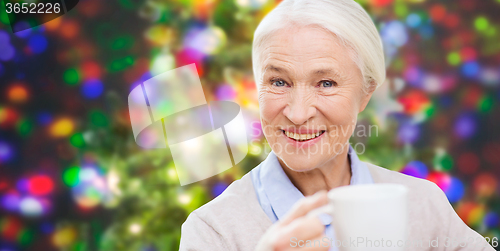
335, 173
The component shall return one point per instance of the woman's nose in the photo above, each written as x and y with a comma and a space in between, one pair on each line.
300, 107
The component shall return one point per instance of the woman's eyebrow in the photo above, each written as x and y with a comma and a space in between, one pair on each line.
318, 72
273, 69
325, 72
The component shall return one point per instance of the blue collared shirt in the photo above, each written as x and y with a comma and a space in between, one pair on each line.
277, 194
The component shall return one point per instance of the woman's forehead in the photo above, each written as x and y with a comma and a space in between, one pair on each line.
302, 41
315, 50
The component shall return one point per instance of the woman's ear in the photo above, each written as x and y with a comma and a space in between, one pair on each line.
367, 94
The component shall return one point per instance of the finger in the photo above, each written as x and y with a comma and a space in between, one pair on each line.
319, 243
305, 227
303, 206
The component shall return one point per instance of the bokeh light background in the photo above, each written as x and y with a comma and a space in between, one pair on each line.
72, 177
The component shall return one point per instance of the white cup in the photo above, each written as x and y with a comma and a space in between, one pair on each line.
368, 217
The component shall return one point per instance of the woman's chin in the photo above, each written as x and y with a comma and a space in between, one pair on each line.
299, 163
301, 169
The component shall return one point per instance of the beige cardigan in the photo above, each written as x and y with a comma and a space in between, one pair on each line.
235, 221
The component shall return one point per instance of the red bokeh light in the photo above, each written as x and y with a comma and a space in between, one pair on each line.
91, 70
485, 184
442, 180
40, 185
437, 12
414, 101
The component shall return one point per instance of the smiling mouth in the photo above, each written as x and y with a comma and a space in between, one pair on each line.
302, 137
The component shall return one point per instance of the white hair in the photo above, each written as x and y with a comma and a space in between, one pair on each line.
346, 19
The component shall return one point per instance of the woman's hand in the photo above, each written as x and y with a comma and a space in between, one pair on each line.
295, 226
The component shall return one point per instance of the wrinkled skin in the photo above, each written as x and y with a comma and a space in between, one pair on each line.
310, 81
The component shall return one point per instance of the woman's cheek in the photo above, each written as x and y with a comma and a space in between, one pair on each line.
269, 113
341, 117
270, 106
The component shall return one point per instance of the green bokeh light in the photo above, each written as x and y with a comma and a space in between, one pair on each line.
98, 118
443, 162
481, 23
121, 64
25, 237
24, 127
430, 111
127, 4
71, 76
453, 58
80, 246
485, 104
3, 15
125, 42
77, 140
401, 10
70, 176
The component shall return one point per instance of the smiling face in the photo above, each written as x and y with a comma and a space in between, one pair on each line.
310, 95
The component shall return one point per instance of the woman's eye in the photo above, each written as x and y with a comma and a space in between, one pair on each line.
328, 84
279, 83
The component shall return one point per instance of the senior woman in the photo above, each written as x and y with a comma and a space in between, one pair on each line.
316, 64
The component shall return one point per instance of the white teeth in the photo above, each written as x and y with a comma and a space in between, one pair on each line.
301, 137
